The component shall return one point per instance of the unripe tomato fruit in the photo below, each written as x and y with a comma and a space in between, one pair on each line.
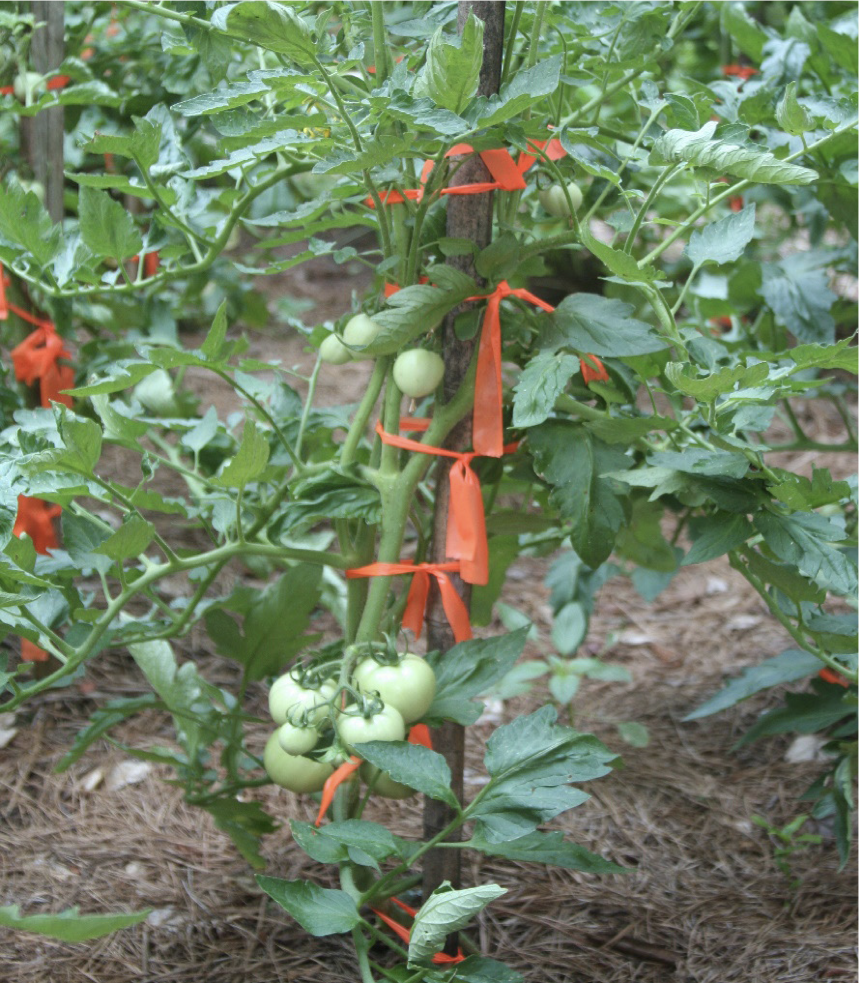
294, 772
418, 372
333, 351
555, 202
359, 331
384, 785
286, 694
297, 740
386, 725
25, 83
408, 686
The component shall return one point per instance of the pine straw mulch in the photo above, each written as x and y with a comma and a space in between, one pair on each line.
702, 900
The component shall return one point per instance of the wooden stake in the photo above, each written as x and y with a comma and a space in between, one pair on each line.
468, 217
43, 133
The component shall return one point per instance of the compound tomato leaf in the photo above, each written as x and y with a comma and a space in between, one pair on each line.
575, 465
532, 762
318, 910
723, 241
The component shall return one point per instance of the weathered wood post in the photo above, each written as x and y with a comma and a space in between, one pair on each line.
468, 217
42, 135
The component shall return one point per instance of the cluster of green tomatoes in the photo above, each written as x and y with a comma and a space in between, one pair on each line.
320, 722
417, 372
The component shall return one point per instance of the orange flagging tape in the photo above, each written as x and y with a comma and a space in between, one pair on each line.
36, 519
405, 935
416, 602
507, 174
466, 530
488, 424
592, 369
333, 782
831, 676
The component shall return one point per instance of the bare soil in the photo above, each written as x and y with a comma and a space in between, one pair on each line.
702, 901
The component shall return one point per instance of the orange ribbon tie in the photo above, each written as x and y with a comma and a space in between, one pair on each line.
413, 618
333, 782
405, 934
488, 425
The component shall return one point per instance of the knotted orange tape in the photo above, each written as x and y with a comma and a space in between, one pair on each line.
36, 518
507, 174
416, 602
405, 935
488, 426
466, 528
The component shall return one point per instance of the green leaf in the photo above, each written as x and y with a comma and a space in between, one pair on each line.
635, 734
701, 150
619, 262
785, 577
106, 227
319, 911
574, 464
787, 667
717, 534
705, 388
69, 925
805, 540
746, 32
840, 47
531, 762
543, 379
412, 765
142, 145
589, 323
797, 290
804, 713
547, 848
452, 67
412, 311
131, 539
792, 117
698, 460
355, 840
227, 97
272, 631
250, 461
24, 220
124, 374
213, 346
101, 721
841, 355
569, 629
274, 26
469, 669
723, 241
381, 150
527, 87
626, 430
446, 911
802, 495
245, 823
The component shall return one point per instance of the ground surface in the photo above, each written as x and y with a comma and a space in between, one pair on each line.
702, 902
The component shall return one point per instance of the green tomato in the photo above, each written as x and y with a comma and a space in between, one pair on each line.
408, 686
555, 202
297, 740
418, 372
386, 725
286, 695
384, 785
359, 331
156, 394
294, 772
26, 84
333, 351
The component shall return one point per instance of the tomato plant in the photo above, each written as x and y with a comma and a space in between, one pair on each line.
713, 210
